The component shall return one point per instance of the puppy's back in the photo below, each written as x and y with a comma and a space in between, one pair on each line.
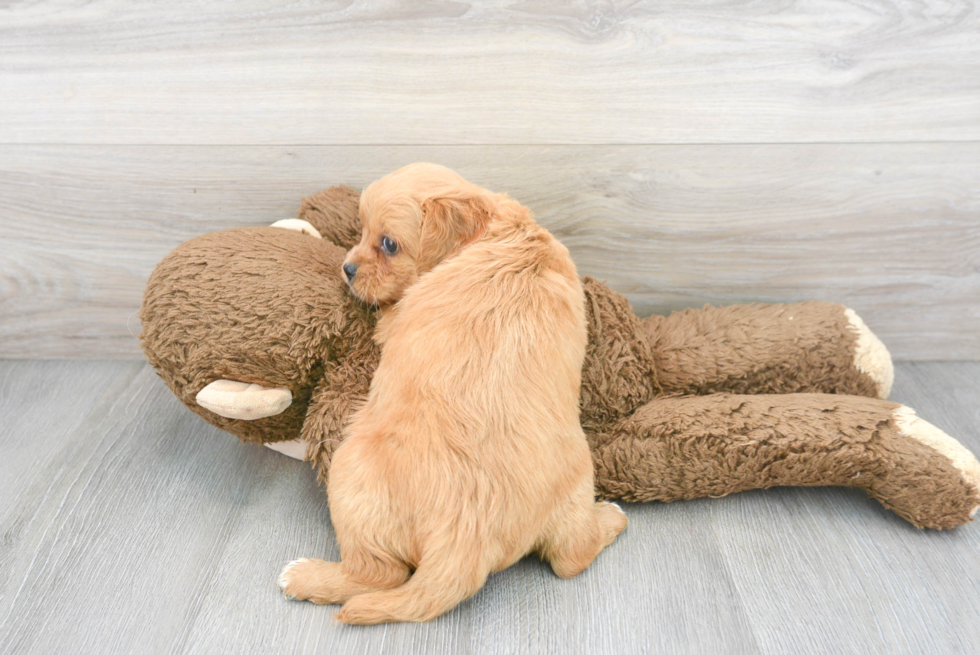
490, 342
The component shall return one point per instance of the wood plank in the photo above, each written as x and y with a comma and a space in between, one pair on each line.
892, 230
142, 529
827, 570
523, 609
152, 532
104, 559
499, 72
34, 435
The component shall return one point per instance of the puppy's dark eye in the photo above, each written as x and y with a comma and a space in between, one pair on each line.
389, 246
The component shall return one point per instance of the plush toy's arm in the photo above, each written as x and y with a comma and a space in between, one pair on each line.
805, 347
688, 447
342, 390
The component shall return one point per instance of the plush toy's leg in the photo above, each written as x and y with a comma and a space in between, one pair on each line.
805, 347
688, 447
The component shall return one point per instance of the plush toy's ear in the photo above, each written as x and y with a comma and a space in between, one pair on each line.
450, 222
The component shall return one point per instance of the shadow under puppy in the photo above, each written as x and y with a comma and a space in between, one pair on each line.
468, 453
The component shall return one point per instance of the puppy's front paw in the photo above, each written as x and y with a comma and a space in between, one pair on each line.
291, 577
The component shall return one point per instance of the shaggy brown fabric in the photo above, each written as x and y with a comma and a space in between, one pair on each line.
248, 305
333, 212
619, 373
757, 348
345, 385
694, 446
268, 305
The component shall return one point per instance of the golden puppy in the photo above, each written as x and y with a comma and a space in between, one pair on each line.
468, 453
413, 219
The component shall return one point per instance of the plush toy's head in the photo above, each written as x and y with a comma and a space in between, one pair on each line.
259, 305
271, 307
411, 220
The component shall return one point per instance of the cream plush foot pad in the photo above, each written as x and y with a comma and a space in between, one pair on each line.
294, 448
912, 426
870, 355
242, 400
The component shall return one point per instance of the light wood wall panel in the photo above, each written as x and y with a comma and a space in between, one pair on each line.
497, 72
892, 230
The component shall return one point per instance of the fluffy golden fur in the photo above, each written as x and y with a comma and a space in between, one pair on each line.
468, 453
429, 213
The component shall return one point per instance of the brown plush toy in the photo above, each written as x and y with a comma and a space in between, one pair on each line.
255, 331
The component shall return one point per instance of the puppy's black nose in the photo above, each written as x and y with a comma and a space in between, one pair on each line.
350, 270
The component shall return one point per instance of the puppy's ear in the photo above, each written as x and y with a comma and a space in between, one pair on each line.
449, 223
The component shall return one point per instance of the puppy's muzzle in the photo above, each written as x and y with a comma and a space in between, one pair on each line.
350, 270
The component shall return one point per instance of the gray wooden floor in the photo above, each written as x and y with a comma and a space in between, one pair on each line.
128, 525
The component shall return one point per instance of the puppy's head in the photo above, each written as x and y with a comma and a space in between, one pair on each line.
411, 220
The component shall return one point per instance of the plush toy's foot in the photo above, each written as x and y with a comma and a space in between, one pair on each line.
912, 426
242, 400
870, 355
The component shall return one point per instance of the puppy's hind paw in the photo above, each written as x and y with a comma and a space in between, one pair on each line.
612, 520
365, 610
317, 581
615, 505
287, 579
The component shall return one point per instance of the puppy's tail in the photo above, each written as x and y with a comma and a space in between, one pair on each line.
438, 585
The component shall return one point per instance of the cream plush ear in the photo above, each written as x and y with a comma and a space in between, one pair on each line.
450, 222
299, 225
